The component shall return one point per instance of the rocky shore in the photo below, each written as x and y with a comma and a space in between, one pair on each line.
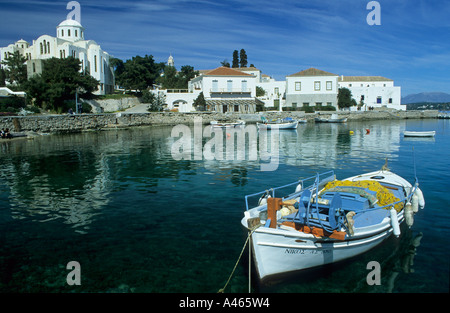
65, 123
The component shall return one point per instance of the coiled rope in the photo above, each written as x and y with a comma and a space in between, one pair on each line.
240, 256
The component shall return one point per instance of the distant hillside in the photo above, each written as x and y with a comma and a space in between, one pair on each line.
428, 106
427, 97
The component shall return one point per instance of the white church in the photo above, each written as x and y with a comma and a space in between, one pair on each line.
69, 41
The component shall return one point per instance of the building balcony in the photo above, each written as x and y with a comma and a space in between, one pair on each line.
236, 91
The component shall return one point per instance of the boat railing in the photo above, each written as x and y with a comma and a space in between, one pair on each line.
323, 179
314, 187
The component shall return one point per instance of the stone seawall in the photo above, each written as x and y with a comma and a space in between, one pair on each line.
77, 123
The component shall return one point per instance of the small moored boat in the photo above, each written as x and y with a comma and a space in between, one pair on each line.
326, 220
419, 133
333, 119
227, 125
287, 123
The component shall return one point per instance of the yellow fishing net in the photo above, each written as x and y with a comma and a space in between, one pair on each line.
384, 196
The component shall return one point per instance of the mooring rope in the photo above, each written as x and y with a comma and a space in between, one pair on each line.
240, 256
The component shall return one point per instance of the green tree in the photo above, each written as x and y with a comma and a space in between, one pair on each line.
139, 73
243, 58
260, 92
235, 63
171, 79
225, 63
59, 81
117, 65
200, 103
344, 98
156, 102
2, 78
16, 68
186, 73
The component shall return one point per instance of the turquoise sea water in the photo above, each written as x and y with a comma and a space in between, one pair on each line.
137, 220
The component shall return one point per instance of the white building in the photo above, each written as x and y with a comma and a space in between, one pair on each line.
69, 41
311, 87
234, 90
227, 90
274, 92
373, 92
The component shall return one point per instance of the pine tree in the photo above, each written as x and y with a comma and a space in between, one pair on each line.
243, 56
200, 102
235, 63
16, 69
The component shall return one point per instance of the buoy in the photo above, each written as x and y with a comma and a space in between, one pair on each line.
394, 222
415, 203
367, 131
350, 222
409, 214
285, 211
263, 200
351, 132
298, 188
419, 194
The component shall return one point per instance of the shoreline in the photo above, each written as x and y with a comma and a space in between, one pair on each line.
49, 124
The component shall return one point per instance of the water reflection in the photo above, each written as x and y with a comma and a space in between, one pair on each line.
73, 177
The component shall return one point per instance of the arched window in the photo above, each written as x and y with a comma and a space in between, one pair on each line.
68, 32
45, 47
76, 33
48, 47
62, 32
42, 49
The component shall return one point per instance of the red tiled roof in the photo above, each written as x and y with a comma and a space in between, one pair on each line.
226, 71
312, 72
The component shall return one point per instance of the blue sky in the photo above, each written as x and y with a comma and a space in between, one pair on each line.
281, 37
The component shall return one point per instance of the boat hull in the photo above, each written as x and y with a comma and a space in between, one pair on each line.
292, 125
323, 120
282, 254
419, 134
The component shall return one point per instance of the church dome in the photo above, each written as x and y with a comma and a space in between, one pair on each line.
70, 23
70, 30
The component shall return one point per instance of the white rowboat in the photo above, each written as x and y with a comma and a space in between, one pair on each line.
419, 134
216, 124
287, 125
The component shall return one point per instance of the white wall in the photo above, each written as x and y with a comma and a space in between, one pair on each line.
271, 87
389, 95
308, 84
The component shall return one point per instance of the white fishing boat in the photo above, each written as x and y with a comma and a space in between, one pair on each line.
419, 133
324, 220
287, 123
333, 119
217, 124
